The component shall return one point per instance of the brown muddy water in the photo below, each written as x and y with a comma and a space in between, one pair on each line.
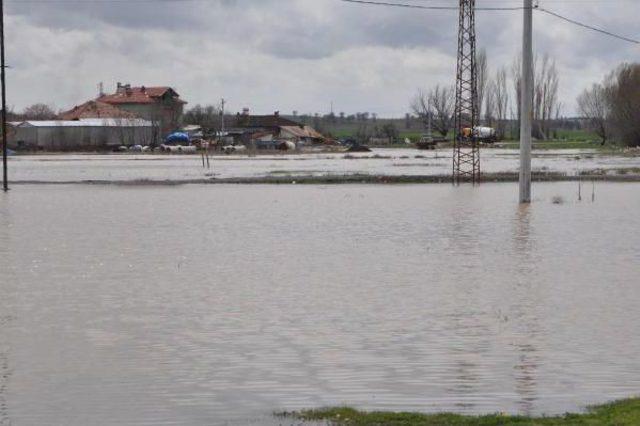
201, 304
70, 168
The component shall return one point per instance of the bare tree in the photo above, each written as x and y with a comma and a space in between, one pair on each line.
516, 80
363, 135
594, 107
438, 105
390, 131
39, 112
546, 104
208, 117
501, 101
482, 78
421, 108
490, 104
624, 103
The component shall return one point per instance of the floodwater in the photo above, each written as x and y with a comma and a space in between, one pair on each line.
388, 162
213, 305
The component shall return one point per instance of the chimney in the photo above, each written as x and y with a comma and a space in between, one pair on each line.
120, 88
245, 111
276, 114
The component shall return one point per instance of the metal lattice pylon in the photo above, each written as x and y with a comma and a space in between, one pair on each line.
466, 154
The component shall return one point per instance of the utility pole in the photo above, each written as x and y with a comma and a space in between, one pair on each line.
5, 141
466, 147
526, 109
222, 118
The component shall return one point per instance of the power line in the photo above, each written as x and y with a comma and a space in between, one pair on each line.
536, 8
589, 27
417, 6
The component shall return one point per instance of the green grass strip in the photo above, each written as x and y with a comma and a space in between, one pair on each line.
621, 413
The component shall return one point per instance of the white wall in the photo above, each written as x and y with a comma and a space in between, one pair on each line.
61, 138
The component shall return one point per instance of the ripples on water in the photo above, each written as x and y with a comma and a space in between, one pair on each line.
218, 305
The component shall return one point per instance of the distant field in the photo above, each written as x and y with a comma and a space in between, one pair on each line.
413, 129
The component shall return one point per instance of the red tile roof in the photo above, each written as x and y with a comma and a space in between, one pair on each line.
140, 95
95, 109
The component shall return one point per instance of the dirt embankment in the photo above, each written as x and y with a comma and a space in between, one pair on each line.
353, 179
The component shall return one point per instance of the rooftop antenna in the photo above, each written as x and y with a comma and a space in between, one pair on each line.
100, 89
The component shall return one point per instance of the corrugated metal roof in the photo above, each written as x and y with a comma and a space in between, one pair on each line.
89, 122
302, 132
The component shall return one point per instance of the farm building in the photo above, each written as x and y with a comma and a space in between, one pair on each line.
83, 134
161, 105
247, 128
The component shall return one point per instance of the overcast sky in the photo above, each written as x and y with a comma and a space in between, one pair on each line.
288, 54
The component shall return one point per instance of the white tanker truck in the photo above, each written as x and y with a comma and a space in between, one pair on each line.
483, 134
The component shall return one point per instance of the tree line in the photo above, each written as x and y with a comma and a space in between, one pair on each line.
612, 108
38, 111
498, 99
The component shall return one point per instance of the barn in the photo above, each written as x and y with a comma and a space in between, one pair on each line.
83, 134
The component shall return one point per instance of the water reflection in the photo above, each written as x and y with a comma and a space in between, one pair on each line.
417, 297
5, 372
7, 280
524, 313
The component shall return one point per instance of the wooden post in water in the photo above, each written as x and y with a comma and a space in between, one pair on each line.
579, 188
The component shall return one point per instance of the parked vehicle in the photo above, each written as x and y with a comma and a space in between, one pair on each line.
286, 146
355, 146
429, 143
483, 134
426, 143
232, 149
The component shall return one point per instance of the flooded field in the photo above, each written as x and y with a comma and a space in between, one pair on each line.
387, 162
215, 305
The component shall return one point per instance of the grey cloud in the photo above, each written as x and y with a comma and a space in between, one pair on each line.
237, 46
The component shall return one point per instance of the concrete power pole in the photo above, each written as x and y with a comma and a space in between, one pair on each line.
5, 139
526, 109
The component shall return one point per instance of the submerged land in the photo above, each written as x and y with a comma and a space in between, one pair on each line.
381, 166
303, 297
626, 176
621, 413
